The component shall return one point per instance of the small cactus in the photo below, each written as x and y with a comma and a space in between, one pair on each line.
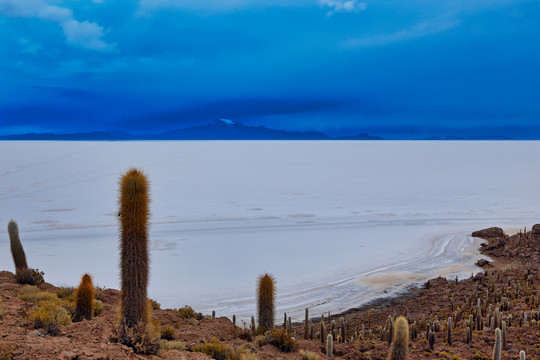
323, 338
329, 346
265, 302
84, 299
498, 345
522, 355
400, 342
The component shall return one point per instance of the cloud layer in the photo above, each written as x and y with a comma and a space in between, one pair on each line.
85, 34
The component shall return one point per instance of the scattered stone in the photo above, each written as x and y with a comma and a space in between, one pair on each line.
482, 263
38, 332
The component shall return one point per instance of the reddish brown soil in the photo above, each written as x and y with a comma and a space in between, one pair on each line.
513, 274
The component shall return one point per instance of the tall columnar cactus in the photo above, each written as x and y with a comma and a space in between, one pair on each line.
22, 273
449, 330
134, 263
498, 345
84, 299
522, 355
504, 336
17, 251
400, 342
329, 346
265, 302
322, 331
306, 325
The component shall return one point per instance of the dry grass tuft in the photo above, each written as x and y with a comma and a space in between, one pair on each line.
308, 355
220, 351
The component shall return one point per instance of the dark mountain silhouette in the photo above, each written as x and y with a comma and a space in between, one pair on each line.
222, 129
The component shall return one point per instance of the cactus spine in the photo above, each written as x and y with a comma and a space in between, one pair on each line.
497, 347
84, 299
134, 214
22, 273
400, 340
265, 302
329, 346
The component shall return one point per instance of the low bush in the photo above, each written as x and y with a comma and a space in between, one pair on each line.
167, 332
144, 339
187, 312
281, 339
66, 293
98, 307
172, 345
154, 304
49, 316
38, 277
35, 295
308, 355
220, 351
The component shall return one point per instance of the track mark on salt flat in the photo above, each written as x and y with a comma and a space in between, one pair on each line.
57, 210
163, 245
295, 216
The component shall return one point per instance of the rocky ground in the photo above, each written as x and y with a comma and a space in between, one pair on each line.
509, 284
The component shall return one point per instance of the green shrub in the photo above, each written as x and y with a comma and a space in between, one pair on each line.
50, 316
98, 307
66, 293
154, 304
167, 332
38, 277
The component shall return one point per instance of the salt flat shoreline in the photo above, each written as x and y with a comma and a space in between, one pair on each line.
312, 214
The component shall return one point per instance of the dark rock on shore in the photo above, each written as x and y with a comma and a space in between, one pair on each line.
491, 232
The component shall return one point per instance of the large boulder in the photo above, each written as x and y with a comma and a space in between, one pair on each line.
536, 230
491, 232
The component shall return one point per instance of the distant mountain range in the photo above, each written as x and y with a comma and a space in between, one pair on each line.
222, 129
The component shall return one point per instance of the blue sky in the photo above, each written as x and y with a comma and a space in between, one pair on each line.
393, 68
